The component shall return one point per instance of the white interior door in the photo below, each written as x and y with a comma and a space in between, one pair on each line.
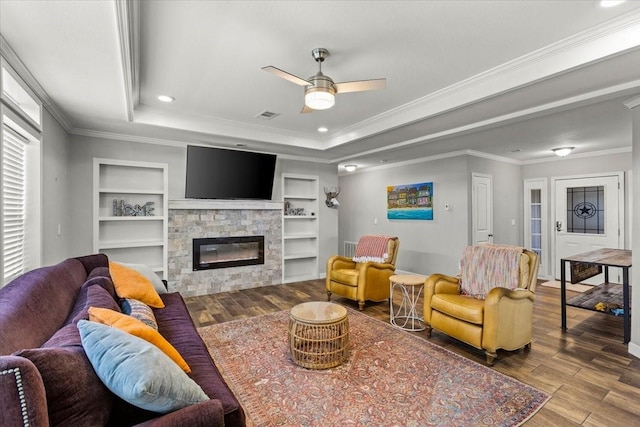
482, 208
587, 217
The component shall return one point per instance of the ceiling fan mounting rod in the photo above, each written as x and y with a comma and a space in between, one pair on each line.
319, 54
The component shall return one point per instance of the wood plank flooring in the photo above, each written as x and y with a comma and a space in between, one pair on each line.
593, 380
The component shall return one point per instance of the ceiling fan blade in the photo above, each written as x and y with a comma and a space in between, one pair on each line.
287, 76
306, 109
361, 85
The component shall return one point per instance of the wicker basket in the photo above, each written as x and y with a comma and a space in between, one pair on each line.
319, 341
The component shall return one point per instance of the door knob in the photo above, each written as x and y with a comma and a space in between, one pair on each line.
559, 225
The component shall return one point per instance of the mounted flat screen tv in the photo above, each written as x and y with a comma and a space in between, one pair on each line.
215, 173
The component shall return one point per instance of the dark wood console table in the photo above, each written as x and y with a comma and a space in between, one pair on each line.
605, 258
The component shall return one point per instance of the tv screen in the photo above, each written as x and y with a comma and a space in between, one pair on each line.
215, 173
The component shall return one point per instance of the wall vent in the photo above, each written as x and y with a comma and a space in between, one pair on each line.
267, 115
350, 248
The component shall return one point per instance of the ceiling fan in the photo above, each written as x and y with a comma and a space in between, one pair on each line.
319, 89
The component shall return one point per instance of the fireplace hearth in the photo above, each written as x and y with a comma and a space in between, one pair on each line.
225, 252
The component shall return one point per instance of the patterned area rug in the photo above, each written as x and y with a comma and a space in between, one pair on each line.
391, 378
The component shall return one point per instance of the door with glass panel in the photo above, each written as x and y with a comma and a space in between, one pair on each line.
588, 217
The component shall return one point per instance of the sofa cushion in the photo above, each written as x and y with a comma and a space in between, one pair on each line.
22, 304
139, 310
137, 328
75, 394
461, 307
90, 295
136, 370
175, 324
346, 276
131, 284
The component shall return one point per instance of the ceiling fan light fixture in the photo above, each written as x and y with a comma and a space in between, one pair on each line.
563, 151
319, 99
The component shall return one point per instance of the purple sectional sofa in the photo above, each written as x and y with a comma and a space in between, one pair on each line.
45, 376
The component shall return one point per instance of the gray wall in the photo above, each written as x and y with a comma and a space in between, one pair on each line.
57, 202
432, 246
507, 199
425, 246
84, 149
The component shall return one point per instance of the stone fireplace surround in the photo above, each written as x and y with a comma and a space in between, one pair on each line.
189, 219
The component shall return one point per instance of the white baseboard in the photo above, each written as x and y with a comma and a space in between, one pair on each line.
634, 349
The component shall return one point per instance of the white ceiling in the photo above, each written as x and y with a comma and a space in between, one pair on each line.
505, 78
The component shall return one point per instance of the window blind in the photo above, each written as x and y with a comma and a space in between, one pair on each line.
13, 204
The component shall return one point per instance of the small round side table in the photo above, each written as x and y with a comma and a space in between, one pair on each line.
318, 334
406, 316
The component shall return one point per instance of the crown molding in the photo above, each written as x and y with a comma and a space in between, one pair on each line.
633, 102
128, 18
16, 63
555, 158
536, 111
474, 153
436, 157
607, 39
182, 143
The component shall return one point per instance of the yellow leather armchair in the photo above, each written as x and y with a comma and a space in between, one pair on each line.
502, 320
361, 281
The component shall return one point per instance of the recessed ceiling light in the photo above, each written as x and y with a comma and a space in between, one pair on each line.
350, 168
610, 3
323, 129
166, 98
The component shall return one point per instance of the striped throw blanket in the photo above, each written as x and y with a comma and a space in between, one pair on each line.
484, 267
372, 249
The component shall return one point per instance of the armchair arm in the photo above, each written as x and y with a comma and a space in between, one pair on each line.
437, 284
338, 262
24, 399
508, 318
373, 280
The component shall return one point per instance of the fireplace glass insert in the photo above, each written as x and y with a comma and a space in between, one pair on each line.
224, 252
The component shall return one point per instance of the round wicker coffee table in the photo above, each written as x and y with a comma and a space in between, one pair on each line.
318, 334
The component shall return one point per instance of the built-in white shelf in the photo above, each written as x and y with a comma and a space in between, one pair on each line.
134, 239
129, 191
300, 236
300, 232
131, 218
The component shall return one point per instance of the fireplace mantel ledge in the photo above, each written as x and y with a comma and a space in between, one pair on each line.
225, 204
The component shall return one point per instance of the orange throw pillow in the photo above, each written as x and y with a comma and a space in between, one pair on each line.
129, 283
138, 329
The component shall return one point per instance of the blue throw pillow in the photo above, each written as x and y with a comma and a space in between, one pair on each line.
137, 371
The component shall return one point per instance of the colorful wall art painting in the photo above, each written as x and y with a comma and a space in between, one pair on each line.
410, 201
